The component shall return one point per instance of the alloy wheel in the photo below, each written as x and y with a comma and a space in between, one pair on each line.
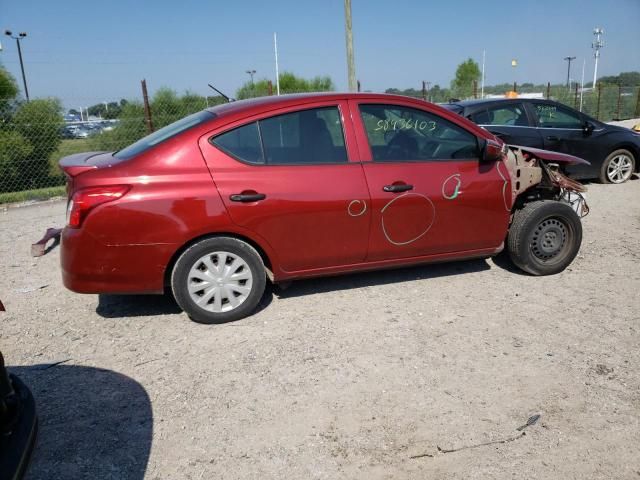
619, 168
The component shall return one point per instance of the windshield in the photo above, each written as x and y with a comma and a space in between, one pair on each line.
163, 134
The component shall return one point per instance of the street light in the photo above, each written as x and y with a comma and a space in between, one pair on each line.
252, 73
569, 60
20, 36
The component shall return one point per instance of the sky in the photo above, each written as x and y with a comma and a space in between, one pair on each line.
86, 52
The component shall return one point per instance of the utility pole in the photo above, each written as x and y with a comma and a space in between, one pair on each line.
20, 36
351, 69
569, 60
597, 44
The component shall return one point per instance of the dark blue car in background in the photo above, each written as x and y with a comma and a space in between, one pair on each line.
614, 152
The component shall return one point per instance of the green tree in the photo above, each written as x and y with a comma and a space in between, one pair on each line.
8, 91
39, 122
466, 73
289, 83
15, 152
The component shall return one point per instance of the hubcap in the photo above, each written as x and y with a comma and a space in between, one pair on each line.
619, 168
549, 239
219, 282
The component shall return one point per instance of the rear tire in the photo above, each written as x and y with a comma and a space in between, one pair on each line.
218, 280
617, 167
544, 237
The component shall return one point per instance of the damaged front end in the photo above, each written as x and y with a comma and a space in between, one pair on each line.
536, 175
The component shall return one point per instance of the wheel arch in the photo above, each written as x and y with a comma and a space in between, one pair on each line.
259, 248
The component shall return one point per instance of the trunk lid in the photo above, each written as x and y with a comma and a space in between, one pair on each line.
80, 163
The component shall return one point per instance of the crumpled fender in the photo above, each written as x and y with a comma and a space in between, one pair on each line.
550, 156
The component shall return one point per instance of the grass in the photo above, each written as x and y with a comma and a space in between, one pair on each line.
37, 194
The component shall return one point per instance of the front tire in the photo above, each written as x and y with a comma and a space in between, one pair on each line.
618, 167
218, 280
544, 237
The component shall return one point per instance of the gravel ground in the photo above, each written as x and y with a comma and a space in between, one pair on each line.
414, 373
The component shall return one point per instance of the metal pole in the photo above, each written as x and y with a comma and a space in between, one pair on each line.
582, 82
358, 85
482, 87
24, 78
275, 48
619, 102
548, 90
351, 69
147, 108
598, 104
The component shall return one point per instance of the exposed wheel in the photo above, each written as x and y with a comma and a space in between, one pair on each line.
618, 167
218, 280
544, 237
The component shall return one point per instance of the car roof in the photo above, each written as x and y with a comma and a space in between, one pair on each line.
277, 101
486, 101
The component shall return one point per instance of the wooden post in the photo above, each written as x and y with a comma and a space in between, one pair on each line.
637, 112
358, 82
548, 90
475, 89
515, 87
575, 99
424, 90
147, 108
598, 102
270, 87
351, 69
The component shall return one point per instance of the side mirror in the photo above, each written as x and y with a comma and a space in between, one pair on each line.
588, 128
491, 151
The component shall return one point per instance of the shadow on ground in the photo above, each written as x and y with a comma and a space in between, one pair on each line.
93, 423
118, 306
380, 277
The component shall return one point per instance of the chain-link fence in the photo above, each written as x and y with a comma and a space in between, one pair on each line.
34, 135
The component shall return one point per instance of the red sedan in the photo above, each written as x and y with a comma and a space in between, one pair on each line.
307, 185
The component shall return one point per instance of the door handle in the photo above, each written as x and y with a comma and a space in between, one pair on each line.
553, 138
247, 197
397, 187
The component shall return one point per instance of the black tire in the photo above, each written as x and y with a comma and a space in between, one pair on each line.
180, 279
544, 237
604, 177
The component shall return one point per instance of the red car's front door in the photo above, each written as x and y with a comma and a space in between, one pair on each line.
287, 177
430, 193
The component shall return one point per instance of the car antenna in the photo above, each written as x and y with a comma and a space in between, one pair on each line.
222, 94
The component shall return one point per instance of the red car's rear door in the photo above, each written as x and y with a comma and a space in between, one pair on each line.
292, 178
430, 193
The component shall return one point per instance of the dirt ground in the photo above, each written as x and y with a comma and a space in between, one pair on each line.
414, 373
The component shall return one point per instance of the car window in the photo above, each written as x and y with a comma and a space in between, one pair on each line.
398, 133
305, 137
164, 134
512, 114
553, 116
242, 143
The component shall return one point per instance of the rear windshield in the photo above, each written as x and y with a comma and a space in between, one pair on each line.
163, 134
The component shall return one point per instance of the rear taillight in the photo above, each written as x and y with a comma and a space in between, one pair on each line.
83, 201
